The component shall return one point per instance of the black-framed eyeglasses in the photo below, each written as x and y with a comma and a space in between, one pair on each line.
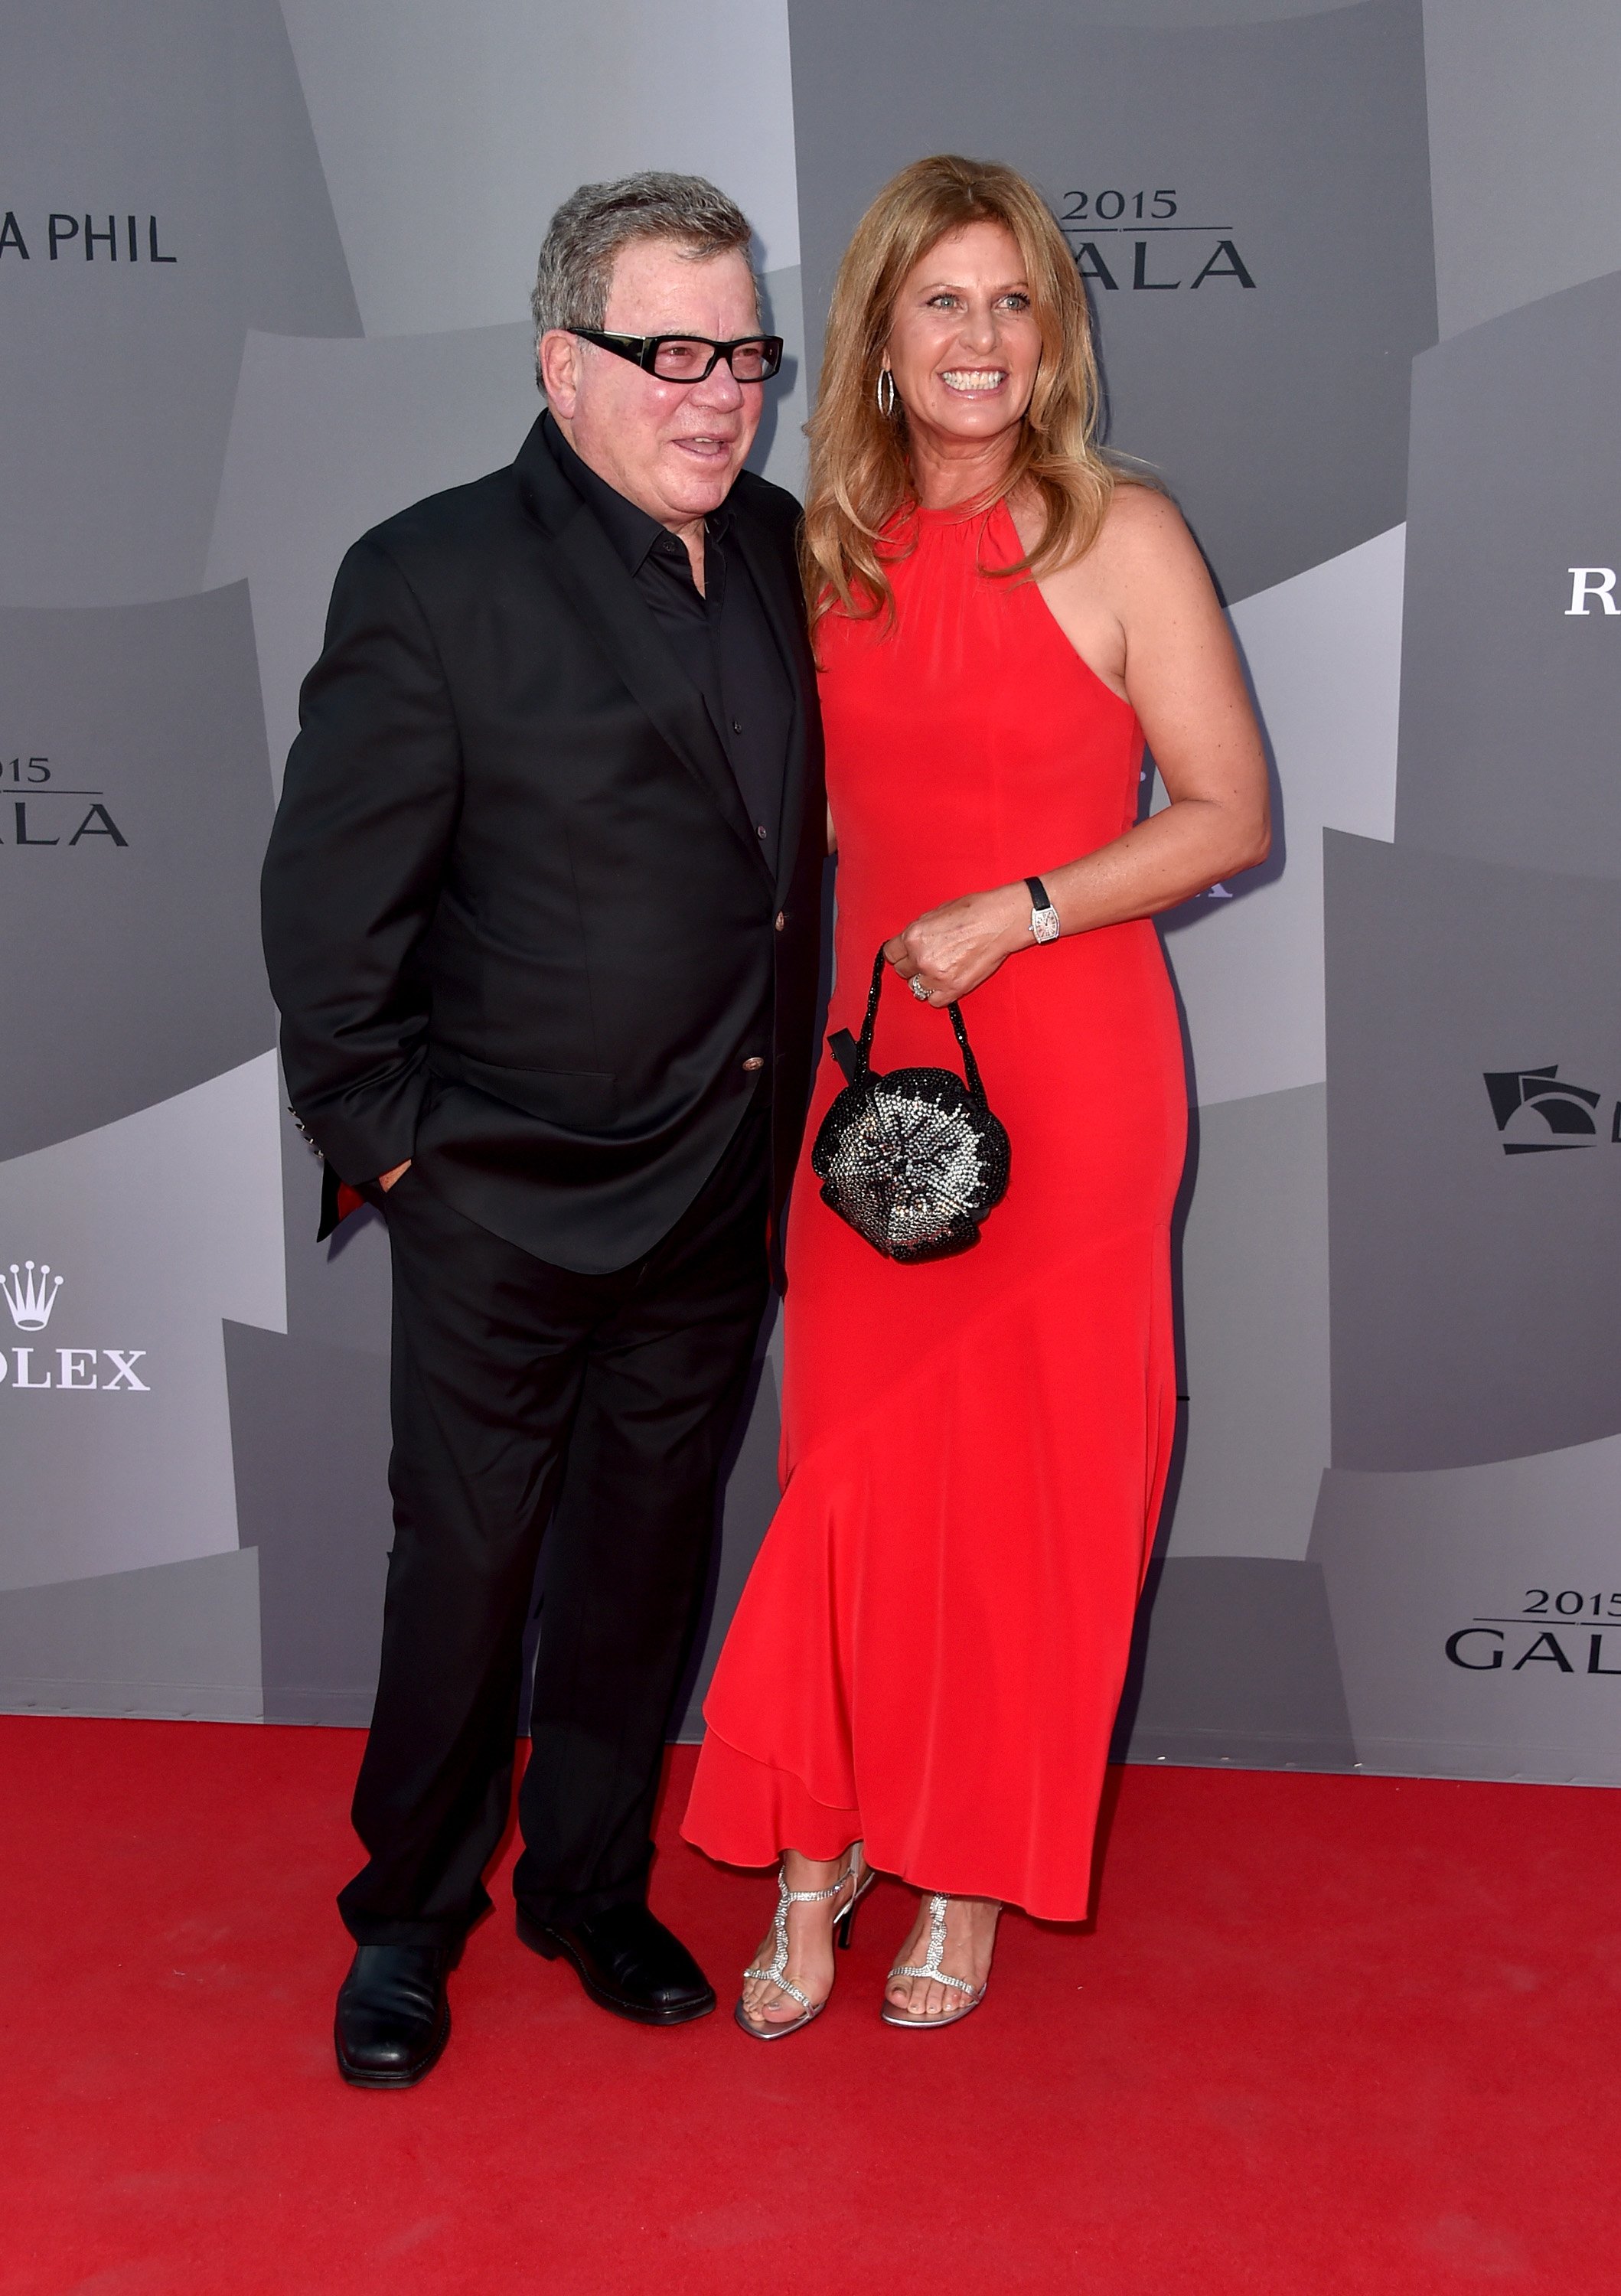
690, 358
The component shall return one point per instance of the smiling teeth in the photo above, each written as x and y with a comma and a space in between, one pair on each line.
973, 378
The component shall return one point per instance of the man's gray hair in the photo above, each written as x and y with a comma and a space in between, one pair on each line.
588, 232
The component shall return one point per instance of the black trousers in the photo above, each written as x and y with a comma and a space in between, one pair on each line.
592, 1410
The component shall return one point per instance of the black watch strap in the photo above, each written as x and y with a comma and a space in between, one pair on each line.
1040, 897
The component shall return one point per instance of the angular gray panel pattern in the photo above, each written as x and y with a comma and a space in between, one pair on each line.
1255, 1328
1235, 1662
1476, 1232
1524, 104
180, 124
1477, 1614
113, 1422
309, 1429
180, 1640
1323, 653
450, 133
1509, 701
1278, 414
1164, 15
132, 826
1474, 1289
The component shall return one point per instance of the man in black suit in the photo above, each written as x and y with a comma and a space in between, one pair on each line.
541, 913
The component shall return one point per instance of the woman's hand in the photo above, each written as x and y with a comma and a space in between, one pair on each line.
952, 948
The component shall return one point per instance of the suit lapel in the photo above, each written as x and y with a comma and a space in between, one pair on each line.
593, 577
779, 589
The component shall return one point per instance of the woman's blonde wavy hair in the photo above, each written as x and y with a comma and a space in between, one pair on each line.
860, 475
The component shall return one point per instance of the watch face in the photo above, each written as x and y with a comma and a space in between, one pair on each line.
1045, 924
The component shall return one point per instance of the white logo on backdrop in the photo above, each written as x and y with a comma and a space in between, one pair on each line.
31, 1295
28, 1298
1591, 582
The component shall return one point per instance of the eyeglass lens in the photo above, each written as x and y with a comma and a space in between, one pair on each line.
686, 359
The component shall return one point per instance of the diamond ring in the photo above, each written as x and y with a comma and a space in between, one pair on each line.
918, 989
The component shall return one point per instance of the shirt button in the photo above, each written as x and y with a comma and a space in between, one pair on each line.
754, 1062
782, 919
759, 833
737, 725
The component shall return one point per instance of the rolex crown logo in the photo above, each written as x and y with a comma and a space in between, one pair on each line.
29, 1297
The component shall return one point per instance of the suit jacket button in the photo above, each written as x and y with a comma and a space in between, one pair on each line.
754, 1062
782, 919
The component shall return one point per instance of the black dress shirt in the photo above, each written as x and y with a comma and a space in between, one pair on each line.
720, 635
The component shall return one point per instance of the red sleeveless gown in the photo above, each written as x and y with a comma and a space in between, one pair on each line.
930, 1648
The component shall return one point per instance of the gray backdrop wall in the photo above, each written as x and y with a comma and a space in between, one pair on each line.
1357, 274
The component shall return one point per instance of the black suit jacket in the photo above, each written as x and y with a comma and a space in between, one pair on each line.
517, 920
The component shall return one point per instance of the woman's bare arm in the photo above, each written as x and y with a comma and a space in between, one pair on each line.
1140, 611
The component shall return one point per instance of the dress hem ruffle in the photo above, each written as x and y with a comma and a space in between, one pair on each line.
746, 1812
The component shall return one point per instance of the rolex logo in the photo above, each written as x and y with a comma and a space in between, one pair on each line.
30, 1293
29, 1297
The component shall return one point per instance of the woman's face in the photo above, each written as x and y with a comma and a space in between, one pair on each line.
963, 343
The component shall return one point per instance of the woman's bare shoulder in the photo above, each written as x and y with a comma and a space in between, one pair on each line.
1140, 526
1143, 527
1144, 555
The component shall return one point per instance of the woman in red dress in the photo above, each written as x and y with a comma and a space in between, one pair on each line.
923, 1671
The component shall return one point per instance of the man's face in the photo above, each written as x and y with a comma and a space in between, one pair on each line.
672, 448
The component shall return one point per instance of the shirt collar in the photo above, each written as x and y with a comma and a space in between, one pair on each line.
632, 532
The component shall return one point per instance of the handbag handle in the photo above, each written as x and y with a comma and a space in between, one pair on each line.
864, 1049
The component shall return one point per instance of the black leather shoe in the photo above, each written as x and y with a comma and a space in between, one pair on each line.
628, 1962
393, 2017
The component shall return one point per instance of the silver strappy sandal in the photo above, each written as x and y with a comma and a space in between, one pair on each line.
929, 1968
863, 1877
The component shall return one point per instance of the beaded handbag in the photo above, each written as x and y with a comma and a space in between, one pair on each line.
914, 1160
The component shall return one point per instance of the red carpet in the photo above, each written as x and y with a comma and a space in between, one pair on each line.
1327, 2035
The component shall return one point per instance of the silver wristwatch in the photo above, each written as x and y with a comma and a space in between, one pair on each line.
1043, 916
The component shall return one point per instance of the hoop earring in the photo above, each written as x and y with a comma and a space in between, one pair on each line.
886, 398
